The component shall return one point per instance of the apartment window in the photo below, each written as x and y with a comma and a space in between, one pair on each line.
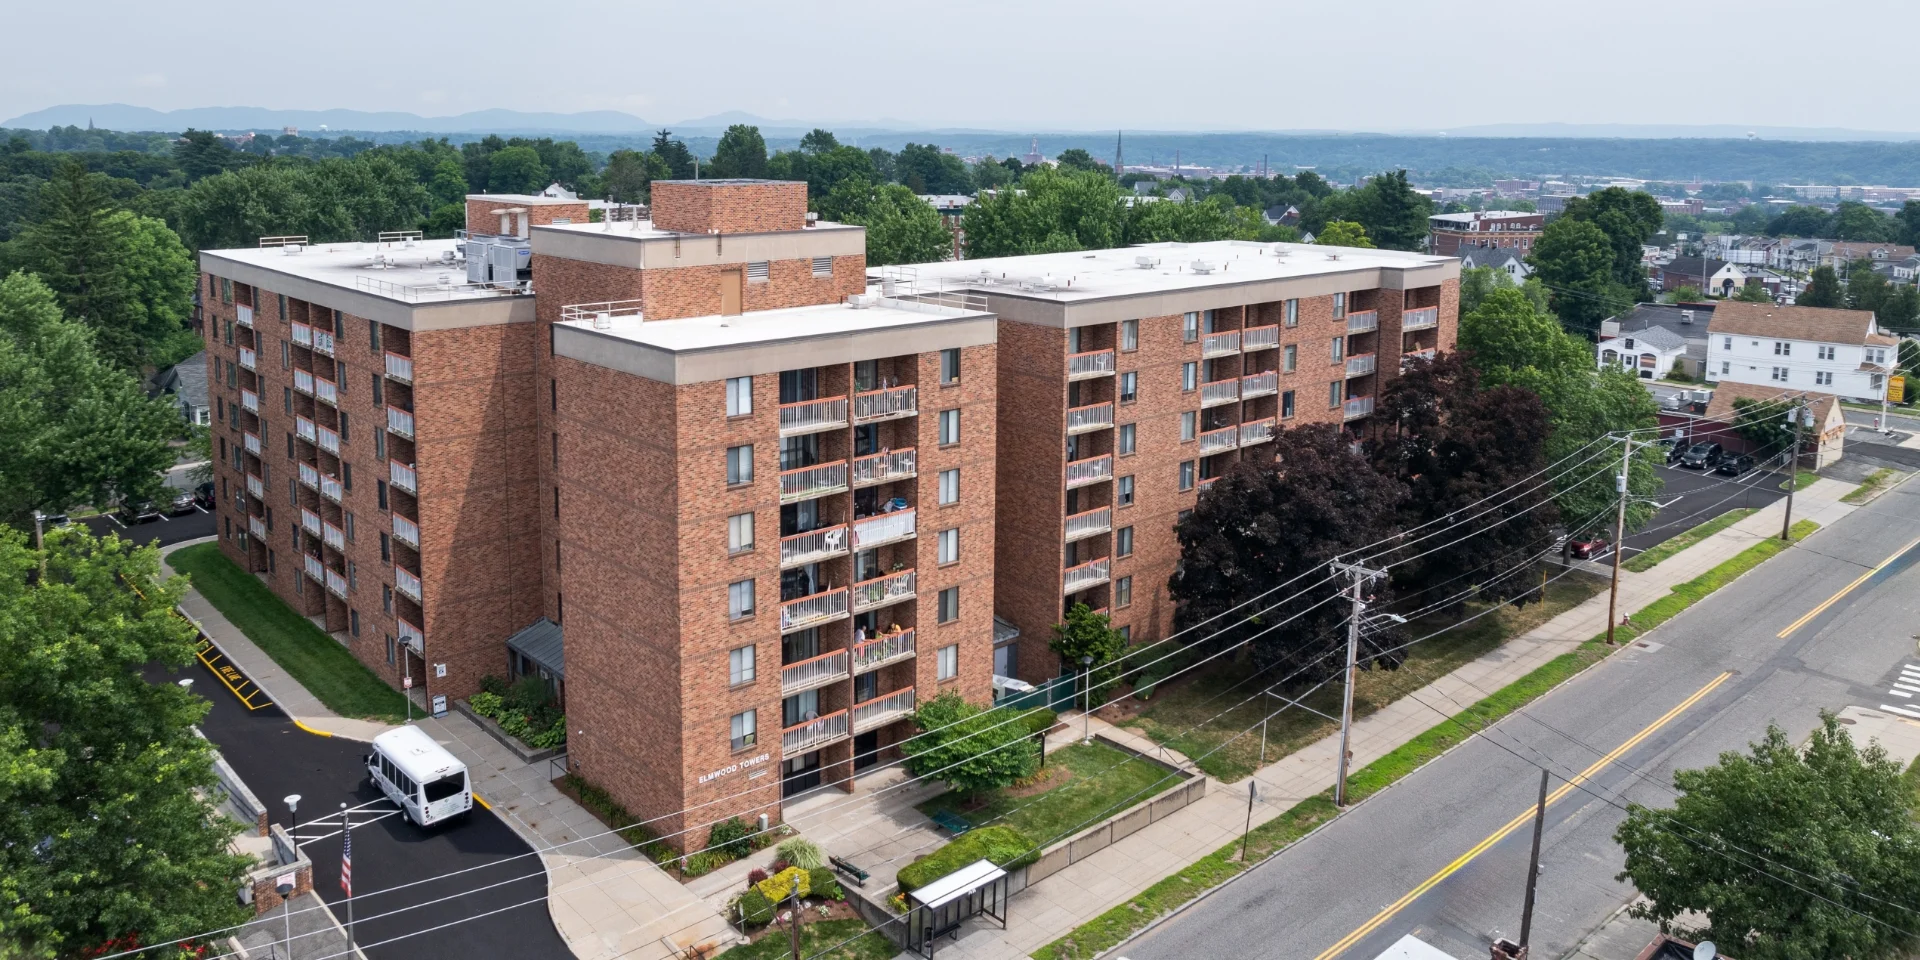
739, 599
1189, 376
949, 427
353, 622
1190, 328
1123, 492
346, 469
950, 365
1333, 394
229, 333
1125, 443
1186, 475
389, 648
386, 547
1780, 374
553, 394
1129, 386
373, 335
823, 266
742, 730
353, 577
340, 375
345, 431
286, 357
739, 533
293, 485
1286, 405
1291, 358
1189, 424
1123, 592
950, 486
380, 492
949, 605
1825, 352
1123, 542
950, 545
1726, 366
739, 465
1129, 334
739, 396
1339, 306
379, 390
949, 661
757, 272
1338, 350
1293, 313
1782, 348
1823, 378
740, 665
349, 530
1726, 343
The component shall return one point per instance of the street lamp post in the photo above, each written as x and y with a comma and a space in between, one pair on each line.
1086, 688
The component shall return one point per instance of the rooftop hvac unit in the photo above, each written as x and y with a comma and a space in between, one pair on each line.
1202, 267
291, 249
603, 321
1145, 262
476, 261
861, 301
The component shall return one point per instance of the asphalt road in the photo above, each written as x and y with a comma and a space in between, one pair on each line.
1709, 681
1692, 497
164, 531
276, 759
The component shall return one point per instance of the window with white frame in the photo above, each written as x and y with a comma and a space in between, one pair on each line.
949, 661
1726, 343
1290, 358
1124, 491
1293, 313
1123, 592
1825, 352
950, 545
743, 730
1123, 542
1129, 334
1186, 475
739, 599
1339, 306
1823, 378
1333, 394
1876, 355
1338, 350
948, 607
739, 396
740, 464
1129, 386
1780, 374
950, 485
949, 427
1190, 327
1189, 376
740, 665
1782, 348
1726, 366
1125, 443
739, 533
1189, 424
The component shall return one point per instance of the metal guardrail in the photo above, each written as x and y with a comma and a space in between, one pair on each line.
587, 312
416, 292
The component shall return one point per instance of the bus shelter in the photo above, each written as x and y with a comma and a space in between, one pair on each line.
939, 908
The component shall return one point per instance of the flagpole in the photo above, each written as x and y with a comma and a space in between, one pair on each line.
346, 869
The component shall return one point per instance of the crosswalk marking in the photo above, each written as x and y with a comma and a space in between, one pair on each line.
1903, 711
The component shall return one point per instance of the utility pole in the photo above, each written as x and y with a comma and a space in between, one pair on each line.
1619, 534
793, 918
1797, 413
1251, 781
1533, 862
1360, 577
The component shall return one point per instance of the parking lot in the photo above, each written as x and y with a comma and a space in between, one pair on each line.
1692, 497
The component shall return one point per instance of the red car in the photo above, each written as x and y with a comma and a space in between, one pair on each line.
1591, 546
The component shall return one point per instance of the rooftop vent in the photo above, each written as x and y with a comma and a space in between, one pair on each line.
1202, 266
861, 301
1332, 256
292, 248
603, 321
1145, 262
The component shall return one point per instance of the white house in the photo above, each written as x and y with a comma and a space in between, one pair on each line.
1504, 259
1649, 353
1841, 352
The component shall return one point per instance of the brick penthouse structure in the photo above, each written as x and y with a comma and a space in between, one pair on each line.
1450, 233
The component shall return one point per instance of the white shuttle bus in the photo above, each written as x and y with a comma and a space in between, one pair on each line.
420, 775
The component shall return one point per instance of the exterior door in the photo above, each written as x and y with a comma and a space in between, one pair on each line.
731, 282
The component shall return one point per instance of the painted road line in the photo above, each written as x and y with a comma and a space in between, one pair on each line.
1849, 588
317, 733
243, 688
1897, 693
482, 801
1903, 711
1523, 817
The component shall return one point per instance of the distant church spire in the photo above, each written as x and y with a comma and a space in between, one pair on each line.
1119, 154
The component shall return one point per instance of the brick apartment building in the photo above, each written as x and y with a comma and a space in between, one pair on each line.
1450, 233
713, 489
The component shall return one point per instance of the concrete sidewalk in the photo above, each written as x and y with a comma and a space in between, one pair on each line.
606, 900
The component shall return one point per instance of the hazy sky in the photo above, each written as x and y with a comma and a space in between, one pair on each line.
1032, 64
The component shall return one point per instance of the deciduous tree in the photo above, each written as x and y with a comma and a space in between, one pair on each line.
680, 163
1629, 218
901, 228
516, 170
1574, 259
969, 748
1085, 633
1053, 210
629, 175
742, 152
1343, 233
1822, 290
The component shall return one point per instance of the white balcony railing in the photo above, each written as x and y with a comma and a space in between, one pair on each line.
1091, 573
1412, 355
1358, 407
1258, 431
315, 569
251, 442
881, 591
302, 334
1219, 392
1259, 384
813, 545
813, 673
403, 476
399, 368
333, 536
1093, 416
330, 487
883, 710
250, 401
309, 477
256, 486
303, 382
1089, 522
406, 582
322, 342
328, 439
326, 391
1223, 344
1216, 441
885, 404
248, 359
243, 315
802, 737
1259, 338
1363, 321
1091, 470
1093, 363
309, 521
304, 429
257, 527
885, 528
1422, 318
810, 416
883, 467
400, 422
1360, 365
805, 483
336, 583
877, 653
823, 607
411, 636
406, 531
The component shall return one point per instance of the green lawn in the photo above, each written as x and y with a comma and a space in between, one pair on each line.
1801, 480
319, 662
1102, 784
1648, 559
840, 939
1188, 716
1870, 486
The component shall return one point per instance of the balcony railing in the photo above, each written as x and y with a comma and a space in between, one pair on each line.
805, 483
1089, 522
400, 422
327, 439
875, 654
406, 531
1358, 407
823, 607
1223, 344
399, 368
1360, 365
302, 334
802, 737
1258, 431
330, 487
256, 486
248, 359
883, 467
322, 342
250, 401
1260, 338
1089, 574
303, 382
315, 569
411, 636
813, 673
881, 711
326, 391
406, 582
1216, 441
813, 545
309, 477
333, 536
882, 529
810, 416
1219, 392
403, 476
243, 315
880, 591
1412, 355
257, 527
1093, 416
337, 584
1259, 384
885, 404
1093, 363
304, 429
1363, 321
1092, 470
251, 442
1422, 318
309, 521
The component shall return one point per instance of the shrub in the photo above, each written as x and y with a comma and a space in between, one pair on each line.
1041, 719
1005, 846
485, 704
528, 694
703, 863
791, 882
755, 876
492, 684
824, 884
730, 837
779, 865
554, 735
802, 853
755, 909
601, 804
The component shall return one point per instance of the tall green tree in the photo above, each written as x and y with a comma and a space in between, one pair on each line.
742, 152
328, 201
1801, 221
1853, 220
1079, 159
201, 153
971, 749
1901, 309
1477, 282
901, 228
105, 826
680, 163
629, 175
1906, 224
1215, 218
1343, 233
1053, 210
1753, 291
819, 141
1867, 289
1575, 260
926, 169
516, 170
1394, 215
1822, 290
1628, 218
1085, 633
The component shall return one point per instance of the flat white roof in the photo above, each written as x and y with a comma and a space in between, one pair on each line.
958, 884
645, 230
416, 754
1411, 947
772, 326
410, 272
1471, 216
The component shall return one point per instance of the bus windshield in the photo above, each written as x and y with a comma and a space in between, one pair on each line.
447, 786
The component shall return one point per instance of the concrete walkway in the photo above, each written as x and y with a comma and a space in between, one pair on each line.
605, 899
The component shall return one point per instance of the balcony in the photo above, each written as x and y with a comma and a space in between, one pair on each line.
302, 334
406, 531
884, 467
1219, 441
327, 439
812, 416
251, 442
333, 536
1093, 416
882, 710
813, 673
875, 654
248, 359
402, 476
243, 315
330, 487
305, 430
1093, 363
303, 382
1412, 355
1219, 392
1259, 385
326, 391
886, 404
813, 546
309, 477
1092, 470
256, 486
1220, 344
1087, 523
1089, 574
806, 483
813, 734
1260, 338
337, 584
1357, 407
309, 521
250, 401
400, 422
257, 527
1360, 365
1259, 431
322, 342
1363, 321
1423, 318
406, 583
399, 368
315, 569
883, 529
882, 591
823, 607
412, 636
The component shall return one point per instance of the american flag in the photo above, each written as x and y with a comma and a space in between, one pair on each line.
346, 862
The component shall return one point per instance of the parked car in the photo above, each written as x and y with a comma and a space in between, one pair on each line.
1588, 547
137, 511
1734, 466
1700, 456
203, 495
51, 521
1673, 447
182, 502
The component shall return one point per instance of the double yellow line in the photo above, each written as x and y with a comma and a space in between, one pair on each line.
1849, 588
1511, 825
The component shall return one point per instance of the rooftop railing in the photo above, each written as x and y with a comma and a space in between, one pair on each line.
415, 292
588, 312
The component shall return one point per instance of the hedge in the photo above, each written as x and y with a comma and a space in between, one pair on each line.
1006, 847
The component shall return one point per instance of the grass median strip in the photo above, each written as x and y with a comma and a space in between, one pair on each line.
1114, 926
1649, 558
317, 661
1870, 487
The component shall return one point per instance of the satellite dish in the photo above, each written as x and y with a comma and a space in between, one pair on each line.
1705, 951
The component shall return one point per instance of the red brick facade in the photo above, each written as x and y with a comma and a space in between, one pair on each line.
729, 206
483, 212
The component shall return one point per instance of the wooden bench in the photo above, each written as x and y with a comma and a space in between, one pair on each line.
951, 822
854, 875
